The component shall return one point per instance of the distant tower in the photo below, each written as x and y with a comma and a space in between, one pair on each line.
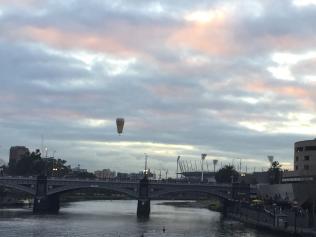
178, 158
203, 156
214, 164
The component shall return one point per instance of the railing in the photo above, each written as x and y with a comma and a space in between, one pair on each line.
116, 180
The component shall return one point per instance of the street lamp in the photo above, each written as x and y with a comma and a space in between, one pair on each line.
295, 207
46, 152
145, 171
203, 155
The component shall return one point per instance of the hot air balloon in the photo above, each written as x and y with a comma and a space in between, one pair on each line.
119, 125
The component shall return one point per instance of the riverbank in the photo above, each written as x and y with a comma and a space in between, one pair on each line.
252, 217
67, 199
213, 205
283, 231
278, 221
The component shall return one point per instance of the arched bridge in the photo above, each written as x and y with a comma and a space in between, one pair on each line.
46, 191
130, 188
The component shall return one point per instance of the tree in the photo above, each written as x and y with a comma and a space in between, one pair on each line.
24, 165
227, 174
33, 164
59, 167
275, 172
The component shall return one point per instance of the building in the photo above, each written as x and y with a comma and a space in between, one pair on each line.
305, 157
255, 178
297, 185
105, 174
195, 176
78, 170
135, 176
17, 152
304, 163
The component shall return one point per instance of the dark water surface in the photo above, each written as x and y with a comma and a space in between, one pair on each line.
118, 218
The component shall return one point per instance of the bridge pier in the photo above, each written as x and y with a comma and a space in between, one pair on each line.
143, 208
44, 203
143, 204
226, 205
311, 214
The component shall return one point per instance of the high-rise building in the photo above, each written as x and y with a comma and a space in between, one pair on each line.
17, 152
305, 157
304, 162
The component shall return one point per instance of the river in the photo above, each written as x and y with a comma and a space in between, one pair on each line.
118, 218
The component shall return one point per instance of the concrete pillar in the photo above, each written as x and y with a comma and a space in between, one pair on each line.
226, 206
311, 214
143, 208
46, 204
143, 205
42, 202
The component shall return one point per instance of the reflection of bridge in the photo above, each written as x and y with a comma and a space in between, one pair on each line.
46, 191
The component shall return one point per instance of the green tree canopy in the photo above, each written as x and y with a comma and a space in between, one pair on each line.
33, 164
227, 174
275, 172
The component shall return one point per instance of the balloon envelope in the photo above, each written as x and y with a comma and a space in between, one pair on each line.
119, 125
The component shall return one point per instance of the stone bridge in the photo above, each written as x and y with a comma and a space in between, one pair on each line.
46, 191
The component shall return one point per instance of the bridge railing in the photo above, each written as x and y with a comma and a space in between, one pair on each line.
116, 180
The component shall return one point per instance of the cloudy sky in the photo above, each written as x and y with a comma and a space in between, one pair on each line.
233, 79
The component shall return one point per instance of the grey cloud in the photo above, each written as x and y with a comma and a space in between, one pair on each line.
304, 68
180, 113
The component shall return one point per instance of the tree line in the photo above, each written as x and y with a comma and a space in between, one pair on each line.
228, 174
31, 163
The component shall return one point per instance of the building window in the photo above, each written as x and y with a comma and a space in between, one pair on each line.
299, 149
296, 158
310, 148
296, 167
306, 167
306, 157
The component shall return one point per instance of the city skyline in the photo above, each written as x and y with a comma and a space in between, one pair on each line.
232, 79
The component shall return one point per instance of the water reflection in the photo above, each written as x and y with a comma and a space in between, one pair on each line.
118, 218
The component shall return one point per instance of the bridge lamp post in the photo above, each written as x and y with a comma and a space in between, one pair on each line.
203, 158
146, 171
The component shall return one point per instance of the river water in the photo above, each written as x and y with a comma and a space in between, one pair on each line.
118, 218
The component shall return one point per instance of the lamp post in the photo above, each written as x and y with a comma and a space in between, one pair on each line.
295, 207
145, 171
46, 152
203, 155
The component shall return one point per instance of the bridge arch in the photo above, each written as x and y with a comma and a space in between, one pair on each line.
220, 195
64, 189
18, 187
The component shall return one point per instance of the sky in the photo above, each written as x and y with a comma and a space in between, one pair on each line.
234, 79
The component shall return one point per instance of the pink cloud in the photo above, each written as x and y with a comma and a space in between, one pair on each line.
214, 38
71, 40
303, 95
